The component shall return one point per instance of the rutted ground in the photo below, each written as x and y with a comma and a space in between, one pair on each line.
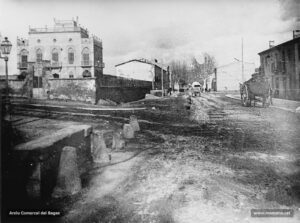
212, 163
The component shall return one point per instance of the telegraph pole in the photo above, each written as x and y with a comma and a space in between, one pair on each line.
162, 81
242, 60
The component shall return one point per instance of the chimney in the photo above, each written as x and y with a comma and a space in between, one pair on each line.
296, 33
271, 43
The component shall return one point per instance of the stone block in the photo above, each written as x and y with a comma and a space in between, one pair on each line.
118, 141
128, 131
68, 179
99, 149
134, 123
33, 187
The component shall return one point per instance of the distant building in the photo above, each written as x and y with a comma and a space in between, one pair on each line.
145, 70
281, 65
72, 53
228, 77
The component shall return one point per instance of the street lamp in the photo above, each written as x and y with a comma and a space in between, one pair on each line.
5, 48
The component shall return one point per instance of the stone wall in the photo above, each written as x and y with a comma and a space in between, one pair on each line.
123, 94
16, 87
81, 89
121, 89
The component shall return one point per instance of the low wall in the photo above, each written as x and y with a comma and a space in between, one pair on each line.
15, 86
81, 89
44, 153
121, 89
123, 94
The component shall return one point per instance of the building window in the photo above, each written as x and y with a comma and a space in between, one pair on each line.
55, 55
54, 40
38, 40
71, 75
24, 58
70, 40
85, 56
86, 73
55, 75
39, 55
71, 56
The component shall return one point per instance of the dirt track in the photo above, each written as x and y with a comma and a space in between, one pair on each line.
212, 163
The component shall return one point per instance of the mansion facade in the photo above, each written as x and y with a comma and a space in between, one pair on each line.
67, 49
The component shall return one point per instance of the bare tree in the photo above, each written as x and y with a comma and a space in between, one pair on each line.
179, 71
185, 72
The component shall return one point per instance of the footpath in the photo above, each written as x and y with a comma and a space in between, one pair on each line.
286, 105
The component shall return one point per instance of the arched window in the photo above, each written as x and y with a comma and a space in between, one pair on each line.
85, 56
86, 73
55, 55
71, 56
39, 55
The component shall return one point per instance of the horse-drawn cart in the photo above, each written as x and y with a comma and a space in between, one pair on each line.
256, 86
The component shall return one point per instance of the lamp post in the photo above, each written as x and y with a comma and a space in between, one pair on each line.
5, 48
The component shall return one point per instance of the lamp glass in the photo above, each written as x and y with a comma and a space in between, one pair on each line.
5, 46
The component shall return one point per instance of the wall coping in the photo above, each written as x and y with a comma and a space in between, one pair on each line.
49, 140
71, 79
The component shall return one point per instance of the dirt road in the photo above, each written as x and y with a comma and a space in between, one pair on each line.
212, 163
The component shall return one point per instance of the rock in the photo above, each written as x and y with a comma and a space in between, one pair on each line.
68, 180
103, 102
63, 97
128, 131
204, 193
151, 96
118, 142
134, 123
99, 150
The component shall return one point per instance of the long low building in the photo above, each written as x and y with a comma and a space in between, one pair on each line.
145, 70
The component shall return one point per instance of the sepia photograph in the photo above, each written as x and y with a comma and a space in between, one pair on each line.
155, 111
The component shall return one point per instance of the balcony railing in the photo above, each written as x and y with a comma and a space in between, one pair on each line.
55, 64
86, 63
22, 65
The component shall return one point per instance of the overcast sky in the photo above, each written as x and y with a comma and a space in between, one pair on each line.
161, 29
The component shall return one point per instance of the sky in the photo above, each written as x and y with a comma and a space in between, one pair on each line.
160, 29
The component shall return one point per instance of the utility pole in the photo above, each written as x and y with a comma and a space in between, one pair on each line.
242, 60
162, 81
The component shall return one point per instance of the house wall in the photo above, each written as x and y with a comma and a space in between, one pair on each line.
136, 70
281, 64
158, 79
229, 76
63, 41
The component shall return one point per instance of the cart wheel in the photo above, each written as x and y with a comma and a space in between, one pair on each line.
245, 97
